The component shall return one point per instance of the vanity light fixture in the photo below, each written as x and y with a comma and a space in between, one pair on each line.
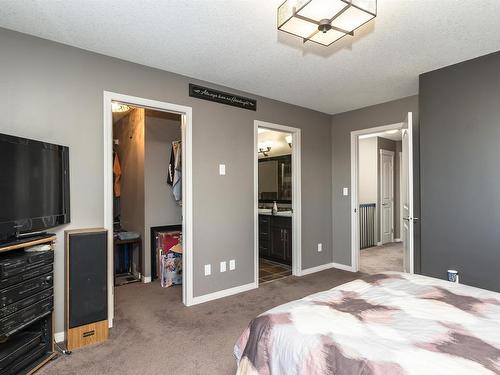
119, 107
288, 140
265, 147
324, 21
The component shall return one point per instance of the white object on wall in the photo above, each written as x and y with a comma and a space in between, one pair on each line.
222, 169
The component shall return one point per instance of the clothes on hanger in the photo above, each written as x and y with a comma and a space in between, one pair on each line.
171, 166
176, 166
117, 172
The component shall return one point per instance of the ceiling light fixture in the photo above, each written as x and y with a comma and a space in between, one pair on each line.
119, 107
324, 21
265, 147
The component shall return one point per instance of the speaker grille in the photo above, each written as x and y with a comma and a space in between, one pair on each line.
87, 276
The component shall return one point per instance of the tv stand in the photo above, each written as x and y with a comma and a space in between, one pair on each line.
30, 234
27, 312
20, 242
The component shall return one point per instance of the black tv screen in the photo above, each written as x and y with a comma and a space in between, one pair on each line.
34, 186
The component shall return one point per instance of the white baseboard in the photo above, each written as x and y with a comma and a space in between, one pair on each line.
59, 336
223, 293
319, 268
398, 240
326, 266
343, 267
379, 243
146, 279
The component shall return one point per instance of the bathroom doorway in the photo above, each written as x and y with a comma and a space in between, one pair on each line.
277, 201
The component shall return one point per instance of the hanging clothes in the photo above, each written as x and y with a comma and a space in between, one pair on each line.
177, 180
171, 166
117, 172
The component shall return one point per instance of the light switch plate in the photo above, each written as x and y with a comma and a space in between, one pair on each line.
232, 265
320, 247
345, 191
208, 269
222, 169
222, 266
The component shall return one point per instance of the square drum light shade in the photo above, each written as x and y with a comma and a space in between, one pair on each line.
324, 21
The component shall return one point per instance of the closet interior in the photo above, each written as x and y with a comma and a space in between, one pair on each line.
147, 196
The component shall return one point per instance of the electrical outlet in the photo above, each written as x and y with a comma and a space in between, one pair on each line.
320, 247
232, 265
208, 269
345, 191
222, 266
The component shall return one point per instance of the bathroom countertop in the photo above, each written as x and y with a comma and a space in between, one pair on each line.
279, 214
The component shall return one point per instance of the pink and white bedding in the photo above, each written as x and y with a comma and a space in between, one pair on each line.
389, 323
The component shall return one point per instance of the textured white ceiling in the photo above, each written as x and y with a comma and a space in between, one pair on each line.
235, 43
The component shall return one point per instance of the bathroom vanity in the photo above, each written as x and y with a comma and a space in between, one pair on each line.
275, 237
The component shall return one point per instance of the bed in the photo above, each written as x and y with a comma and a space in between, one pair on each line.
390, 323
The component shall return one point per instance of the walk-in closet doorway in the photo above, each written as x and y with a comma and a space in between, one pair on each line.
110, 146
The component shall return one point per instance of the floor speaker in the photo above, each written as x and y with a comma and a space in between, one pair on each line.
86, 313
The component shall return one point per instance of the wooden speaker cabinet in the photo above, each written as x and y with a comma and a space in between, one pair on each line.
86, 308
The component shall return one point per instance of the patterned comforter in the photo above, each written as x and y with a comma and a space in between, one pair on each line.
389, 323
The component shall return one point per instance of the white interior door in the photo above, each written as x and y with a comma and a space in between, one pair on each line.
386, 196
407, 194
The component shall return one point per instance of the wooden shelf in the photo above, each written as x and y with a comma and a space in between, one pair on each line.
22, 245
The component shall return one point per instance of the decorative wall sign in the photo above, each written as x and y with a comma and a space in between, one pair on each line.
212, 95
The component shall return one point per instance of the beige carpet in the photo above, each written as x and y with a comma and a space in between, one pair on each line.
156, 334
388, 257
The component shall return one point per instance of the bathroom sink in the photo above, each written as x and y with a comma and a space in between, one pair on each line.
265, 211
284, 213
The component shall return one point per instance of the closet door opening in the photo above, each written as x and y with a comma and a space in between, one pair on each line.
150, 197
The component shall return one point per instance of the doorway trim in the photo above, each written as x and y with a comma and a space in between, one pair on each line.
400, 156
355, 250
379, 203
187, 187
296, 196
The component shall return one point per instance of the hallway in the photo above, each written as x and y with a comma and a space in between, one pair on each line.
388, 257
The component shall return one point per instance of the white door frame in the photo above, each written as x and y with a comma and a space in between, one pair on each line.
296, 196
355, 188
379, 203
400, 156
187, 188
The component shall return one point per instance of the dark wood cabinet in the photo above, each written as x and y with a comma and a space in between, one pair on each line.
265, 236
275, 238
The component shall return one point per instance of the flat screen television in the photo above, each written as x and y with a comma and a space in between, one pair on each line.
34, 186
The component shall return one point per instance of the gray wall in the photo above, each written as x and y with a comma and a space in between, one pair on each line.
161, 129
54, 93
368, 176
460, 175
342, 125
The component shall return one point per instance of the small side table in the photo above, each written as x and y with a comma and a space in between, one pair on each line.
127, 277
